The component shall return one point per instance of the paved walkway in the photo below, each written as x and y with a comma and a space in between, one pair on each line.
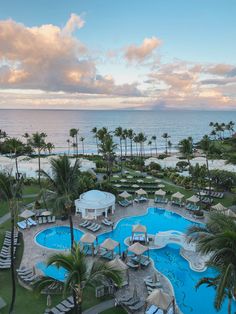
4, 218
100, 307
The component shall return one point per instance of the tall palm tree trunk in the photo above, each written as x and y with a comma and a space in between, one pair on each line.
17, 169
39, 163
13, 279
77, 149
120, 147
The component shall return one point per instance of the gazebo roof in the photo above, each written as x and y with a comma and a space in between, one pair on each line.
230, 213
160, 192
160, 299
117, 264
178, 195
109, 244
137, 248
27, 214
125, 194
193, 199
139, 228
88, 238
219, 207
141, 192
95, 199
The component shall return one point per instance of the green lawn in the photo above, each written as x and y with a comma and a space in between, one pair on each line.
115, 310
31, 189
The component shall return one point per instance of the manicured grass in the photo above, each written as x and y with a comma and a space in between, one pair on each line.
115, 310
31, 189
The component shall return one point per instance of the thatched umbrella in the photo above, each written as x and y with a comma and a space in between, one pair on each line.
110, 245
125, 194
161, 300
118, 264
193, 199
178, 195
219, 207
138, 249
89, 239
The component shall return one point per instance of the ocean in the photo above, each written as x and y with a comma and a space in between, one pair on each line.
57, 123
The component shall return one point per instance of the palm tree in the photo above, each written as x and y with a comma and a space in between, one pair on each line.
17, 147
119, 133
82, 141
198, 175
81, 275
125, 134
101, 133
217, 239
74, 134
64, 181
37, 142
186, 148
107, 148
94, 131
141, 140
154, 138
3, 134
68, 143
136, 141
150, 144
49, 147
131, 135
11, 191
166, 136
169, 143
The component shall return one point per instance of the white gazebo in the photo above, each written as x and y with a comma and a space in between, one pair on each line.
96, 203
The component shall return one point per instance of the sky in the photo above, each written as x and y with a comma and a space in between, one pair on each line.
126, 54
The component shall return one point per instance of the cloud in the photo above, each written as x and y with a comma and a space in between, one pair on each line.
140, 53
50, 58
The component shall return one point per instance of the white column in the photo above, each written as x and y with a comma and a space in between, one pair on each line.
106, 210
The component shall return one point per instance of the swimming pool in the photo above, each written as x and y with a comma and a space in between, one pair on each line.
166, 260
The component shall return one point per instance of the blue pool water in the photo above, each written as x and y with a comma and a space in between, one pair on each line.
167, 260
57, 238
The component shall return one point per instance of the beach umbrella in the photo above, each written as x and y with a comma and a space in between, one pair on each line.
160, 192
219, 207
130, 177
26, 214
140, 181
135, 186
137, 248
193, 199
161, 186
125, 194
115, 176
139, 228
141, 192
123, 180
117, 185
46, 213
158, 181
177, 195
160, 299
88, 238
148, 177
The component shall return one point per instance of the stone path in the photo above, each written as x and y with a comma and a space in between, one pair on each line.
100, 307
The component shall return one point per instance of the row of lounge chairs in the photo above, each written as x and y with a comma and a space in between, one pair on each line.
133, 303
90, 226
177, 203
192, 207
151, 284
141, 199
125, 203
63, 307
161, 200
5, 254
45, 220
27, 223
207, 200
212, 193
27, 276
137, 261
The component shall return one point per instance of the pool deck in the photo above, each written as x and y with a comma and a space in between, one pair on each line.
34, 253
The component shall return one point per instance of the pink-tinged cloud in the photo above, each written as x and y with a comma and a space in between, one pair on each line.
145, 50
50, 58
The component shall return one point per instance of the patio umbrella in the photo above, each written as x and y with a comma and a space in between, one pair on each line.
160, 192
135, 186
219, 207
26, 214
123, 180
158, 181
193, 199
139, 228
161, 186
160, 299
177, 195
137, 248
140, 181
125, 194
130, 177
88, 238
141, 192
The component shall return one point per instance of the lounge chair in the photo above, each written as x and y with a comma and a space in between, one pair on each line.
22, 224
63, 308
83, 223
54, 310
53, 219
90, 227
32, 222
67, 304
137, 306
49, 219
45, 220
132, 265
131, 302
40, 220
153, 285
152, 310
